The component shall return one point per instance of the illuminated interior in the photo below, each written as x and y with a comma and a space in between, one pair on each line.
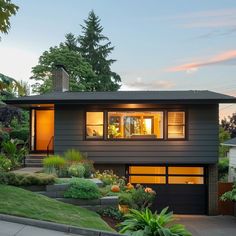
135, 125
147, 170
185, 180
44, 128
94, 125
176, 124
176, 170
147, 179
158, 175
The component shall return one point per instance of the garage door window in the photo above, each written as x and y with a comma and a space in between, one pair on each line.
165, 174
185, 175
147, 174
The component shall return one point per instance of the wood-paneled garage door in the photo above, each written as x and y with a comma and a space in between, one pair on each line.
182, 188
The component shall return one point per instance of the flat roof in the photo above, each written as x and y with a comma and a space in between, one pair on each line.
155, 97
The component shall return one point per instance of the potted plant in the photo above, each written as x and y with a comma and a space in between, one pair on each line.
230, 196
113, 131
125, 202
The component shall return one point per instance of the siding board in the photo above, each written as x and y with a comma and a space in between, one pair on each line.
200, 147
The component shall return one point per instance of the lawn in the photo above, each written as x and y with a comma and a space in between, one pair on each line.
19, 202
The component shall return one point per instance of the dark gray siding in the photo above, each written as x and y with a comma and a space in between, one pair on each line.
200, 147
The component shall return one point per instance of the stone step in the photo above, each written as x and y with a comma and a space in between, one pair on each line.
36, 156
30, 164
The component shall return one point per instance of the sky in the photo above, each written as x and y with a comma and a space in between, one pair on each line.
159, 45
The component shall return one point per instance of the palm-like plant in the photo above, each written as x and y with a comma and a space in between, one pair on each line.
146, 223
11, 87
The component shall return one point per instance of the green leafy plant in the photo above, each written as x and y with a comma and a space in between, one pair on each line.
89, 168
126, 199
73, 156
109, 178
26, 179
142, 197
5, 163
82, 189
146, 223
223, 167
112, 212
230, 195
14, 154
113, 131
54, 165
76, 170
22, 134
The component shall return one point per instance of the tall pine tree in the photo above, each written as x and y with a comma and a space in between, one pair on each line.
95, 48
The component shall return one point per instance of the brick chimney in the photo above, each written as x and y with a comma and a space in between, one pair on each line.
60, 79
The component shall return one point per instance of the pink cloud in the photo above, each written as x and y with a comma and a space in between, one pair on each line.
195, 65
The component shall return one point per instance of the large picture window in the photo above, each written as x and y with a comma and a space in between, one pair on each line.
94, 125
176, 125
135, 125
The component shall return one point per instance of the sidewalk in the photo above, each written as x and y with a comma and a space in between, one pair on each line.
13, 229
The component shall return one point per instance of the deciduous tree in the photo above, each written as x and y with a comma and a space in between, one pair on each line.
7, 9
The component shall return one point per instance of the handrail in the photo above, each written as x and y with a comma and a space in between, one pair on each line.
48, 146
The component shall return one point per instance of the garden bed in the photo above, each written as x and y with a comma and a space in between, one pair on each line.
57, 191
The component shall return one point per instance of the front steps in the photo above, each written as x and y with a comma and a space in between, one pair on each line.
34, 160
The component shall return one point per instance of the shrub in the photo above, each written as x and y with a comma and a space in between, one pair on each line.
223, 167
142, 197
14, 154
109, 178
147, 223
76, 170
22, 134
112, 212
26, 179
230, 195
82, 189
5, 163
126, 199
54, 165
73, 156
89, 168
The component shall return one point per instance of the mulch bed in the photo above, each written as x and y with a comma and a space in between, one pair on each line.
111, 222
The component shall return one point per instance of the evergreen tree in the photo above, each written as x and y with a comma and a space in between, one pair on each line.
95, 48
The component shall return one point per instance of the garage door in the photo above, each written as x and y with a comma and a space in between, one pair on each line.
182, 188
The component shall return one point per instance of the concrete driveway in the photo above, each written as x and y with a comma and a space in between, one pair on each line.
13, 229
209, 225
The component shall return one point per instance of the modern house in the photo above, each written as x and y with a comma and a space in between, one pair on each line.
165, 139
232, 158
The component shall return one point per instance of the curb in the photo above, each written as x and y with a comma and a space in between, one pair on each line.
55, 226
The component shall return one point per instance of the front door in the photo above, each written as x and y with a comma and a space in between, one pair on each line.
43, 130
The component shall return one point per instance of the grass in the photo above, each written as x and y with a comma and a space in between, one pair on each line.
19, 202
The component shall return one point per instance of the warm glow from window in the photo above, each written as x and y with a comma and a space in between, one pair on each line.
176, 124
147, 179
135, 125
94, 125
147, 170
185, 180
175, 170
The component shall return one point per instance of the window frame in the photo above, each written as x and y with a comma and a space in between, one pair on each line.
165, 124
136, 110
185, 125
167, 175
85, 126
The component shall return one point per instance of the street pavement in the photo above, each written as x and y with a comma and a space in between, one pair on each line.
13, 229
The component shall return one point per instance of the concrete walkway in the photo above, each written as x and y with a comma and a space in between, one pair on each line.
13, 229
209, 225
28, 170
